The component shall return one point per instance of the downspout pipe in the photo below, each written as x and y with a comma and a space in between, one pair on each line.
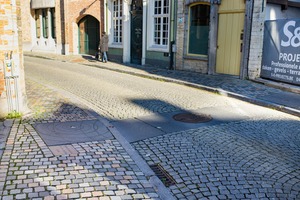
247, 39
173, 4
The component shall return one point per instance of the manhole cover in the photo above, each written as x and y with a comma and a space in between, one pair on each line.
192, 118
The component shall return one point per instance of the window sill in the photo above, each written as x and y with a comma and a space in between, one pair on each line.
158, 48
196, 57
116, 45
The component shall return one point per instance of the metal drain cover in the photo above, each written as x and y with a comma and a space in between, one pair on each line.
163, 175
192, 118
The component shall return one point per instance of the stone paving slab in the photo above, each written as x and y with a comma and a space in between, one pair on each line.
134, 129
154, 125
72, 132
5, 127
63, 150
167, 124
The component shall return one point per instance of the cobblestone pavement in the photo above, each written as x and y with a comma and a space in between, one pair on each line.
119, 96
252, 159
5, 127
261, 94
47, 105
91, 170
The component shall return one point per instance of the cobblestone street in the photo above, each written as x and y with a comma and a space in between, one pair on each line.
29, 169
253, 159
97, 169
248, 152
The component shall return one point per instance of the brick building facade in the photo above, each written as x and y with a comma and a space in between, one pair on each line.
227, 37
59, 26
12, 85
204, 36
140, 31
225, 43
194, 34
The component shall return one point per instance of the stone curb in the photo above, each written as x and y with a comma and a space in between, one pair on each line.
259, 102
5, 128
162, 191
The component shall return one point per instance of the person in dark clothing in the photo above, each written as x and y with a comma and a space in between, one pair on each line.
103, 46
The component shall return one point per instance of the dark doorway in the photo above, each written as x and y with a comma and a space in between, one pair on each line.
89, 35
136, 31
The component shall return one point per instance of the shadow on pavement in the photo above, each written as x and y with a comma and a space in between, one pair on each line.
163, 120
81, 165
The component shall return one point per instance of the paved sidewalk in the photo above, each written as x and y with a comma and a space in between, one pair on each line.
105, 169
281, 97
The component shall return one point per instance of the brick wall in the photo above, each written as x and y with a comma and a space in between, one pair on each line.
75, 11
3, 42
256, 43
27, 18
67, 15
10, 41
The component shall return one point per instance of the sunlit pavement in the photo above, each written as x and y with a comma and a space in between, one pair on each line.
285, 99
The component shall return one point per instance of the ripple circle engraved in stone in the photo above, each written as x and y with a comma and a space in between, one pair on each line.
73, 132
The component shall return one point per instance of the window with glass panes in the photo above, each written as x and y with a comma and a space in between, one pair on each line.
199, 15
45, 23
37, 23
42, 24
117, 21
161, 22
53, 24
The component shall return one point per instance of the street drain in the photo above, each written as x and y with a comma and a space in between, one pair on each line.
163, 175
192, 118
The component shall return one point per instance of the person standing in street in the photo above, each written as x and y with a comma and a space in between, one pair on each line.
103, 46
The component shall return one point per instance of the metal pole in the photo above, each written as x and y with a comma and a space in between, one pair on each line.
8, 95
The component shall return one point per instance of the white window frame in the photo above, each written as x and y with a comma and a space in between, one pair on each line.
117, 19
151, 27
120, 21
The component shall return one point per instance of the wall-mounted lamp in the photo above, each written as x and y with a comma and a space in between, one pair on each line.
218, 2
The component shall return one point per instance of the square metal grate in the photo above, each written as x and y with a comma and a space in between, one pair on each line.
163, 175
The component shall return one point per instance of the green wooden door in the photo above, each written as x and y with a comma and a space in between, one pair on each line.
89, 35
136, 32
